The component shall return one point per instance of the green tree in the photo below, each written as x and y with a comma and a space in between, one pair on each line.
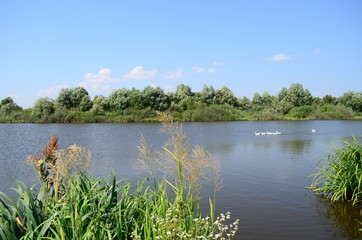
43, 107
74, 98
118, 99
99, 105
80, 99
8, 106
352, 100
155, 98
85, 104
244, 103
182, 98
329, 99
64, 98
225, 96
136, 99
298, 96
295, 96
207, 94
262, 101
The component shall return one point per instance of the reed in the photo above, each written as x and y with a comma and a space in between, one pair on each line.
339, 176
70, 204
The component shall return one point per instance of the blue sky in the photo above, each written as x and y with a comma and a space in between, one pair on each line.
248, 46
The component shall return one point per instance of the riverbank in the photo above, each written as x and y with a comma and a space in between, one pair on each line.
213, 113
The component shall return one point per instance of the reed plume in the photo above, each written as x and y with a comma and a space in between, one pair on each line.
56, 165
178, 161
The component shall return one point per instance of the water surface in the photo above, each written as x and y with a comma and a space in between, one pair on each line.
263, 176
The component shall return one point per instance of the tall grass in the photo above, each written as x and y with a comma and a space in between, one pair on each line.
339, 176
69, 204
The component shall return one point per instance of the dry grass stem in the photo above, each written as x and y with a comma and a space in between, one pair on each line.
178, 161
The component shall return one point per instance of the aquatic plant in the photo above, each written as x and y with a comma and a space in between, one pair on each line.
69, 203
339, 176
57, 165
185, 166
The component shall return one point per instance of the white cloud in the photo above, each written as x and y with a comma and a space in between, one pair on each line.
177, 74
201, 70
198, 69
52, 90
218, 63
280, 57
139, 73
96, 82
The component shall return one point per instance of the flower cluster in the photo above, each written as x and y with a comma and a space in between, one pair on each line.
175, 225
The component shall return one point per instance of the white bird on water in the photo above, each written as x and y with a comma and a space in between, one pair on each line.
314, 130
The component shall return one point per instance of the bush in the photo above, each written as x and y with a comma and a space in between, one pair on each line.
301, 112
266, 116
339, 176
332, 112
214, 113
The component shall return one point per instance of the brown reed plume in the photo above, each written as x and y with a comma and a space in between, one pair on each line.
57, 164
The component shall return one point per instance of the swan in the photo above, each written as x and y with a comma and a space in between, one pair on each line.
257, 133
314, 130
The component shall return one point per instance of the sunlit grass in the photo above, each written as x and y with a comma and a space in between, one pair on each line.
339, 176
69, 204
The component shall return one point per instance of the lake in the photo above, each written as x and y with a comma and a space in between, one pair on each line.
263, 176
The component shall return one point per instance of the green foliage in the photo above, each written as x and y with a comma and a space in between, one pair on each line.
8, 106
295, 96
74, 98
43, 108
118, 100
301, 112
155, 98
352, 100
225, 96
339, 177
214, 113
79, 206
207, 94
244, 103
329, 99
261, 102
265, 116
332, 112
124, 105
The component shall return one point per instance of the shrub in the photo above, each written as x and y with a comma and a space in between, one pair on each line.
301, 112
215, 113
339, 176
330, 112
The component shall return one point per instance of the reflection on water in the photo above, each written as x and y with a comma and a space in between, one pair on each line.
343, 216
295, 146
264, 176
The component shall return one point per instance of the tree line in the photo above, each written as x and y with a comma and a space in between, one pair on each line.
133, 105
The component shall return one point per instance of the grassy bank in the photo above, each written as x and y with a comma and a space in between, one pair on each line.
339, 176
69, 203
212, 113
